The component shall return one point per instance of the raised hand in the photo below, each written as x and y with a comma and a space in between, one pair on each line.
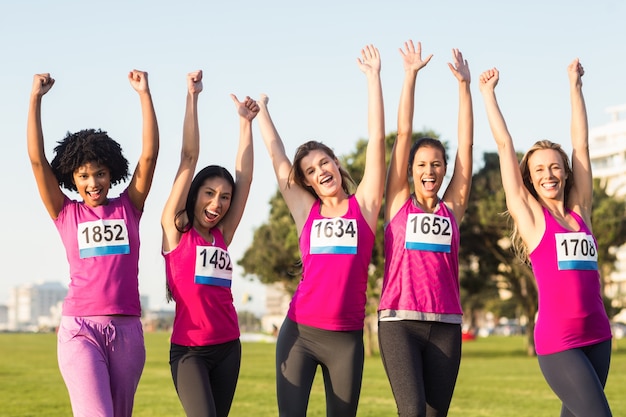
42, 83
139, 81
412, 56
194, 82
488, 80
264, 99
460, 68
248, 109
575, 71
370, 60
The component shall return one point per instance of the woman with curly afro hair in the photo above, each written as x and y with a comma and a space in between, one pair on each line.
100, 346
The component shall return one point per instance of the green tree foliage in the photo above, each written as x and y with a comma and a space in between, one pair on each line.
609, 228
483, 248
274, 255
488, 266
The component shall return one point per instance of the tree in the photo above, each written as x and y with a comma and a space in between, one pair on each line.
483, 249
609, 228
274, 255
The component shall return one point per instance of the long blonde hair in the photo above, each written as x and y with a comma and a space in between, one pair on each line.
521, 251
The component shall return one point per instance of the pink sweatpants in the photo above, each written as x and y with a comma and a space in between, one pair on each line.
101, 359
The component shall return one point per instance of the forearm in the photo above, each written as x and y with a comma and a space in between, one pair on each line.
497, 124
376, 112
34, 132
244, 163
150, 135
466, 117
374, 174
406, 107
579, 123
270, 136
191, 130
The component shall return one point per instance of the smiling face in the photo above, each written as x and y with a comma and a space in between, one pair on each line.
321, 172
212, 202
93, 182
428, 171
547, 174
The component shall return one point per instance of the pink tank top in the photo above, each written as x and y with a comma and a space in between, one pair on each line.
571, 313
102, 248
336, 253
199, 275
422, 265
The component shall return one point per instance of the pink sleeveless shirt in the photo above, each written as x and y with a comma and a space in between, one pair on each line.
102, 248
199, 276
571, 313
421, 278
336, 253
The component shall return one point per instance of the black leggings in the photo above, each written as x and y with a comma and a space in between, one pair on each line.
422, 360
299, 350
577, 377
205, 377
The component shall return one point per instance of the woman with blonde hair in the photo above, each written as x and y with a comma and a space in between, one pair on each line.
550, 204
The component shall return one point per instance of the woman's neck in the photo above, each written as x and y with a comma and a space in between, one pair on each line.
428, 204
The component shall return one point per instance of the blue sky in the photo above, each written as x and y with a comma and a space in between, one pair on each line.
303, 56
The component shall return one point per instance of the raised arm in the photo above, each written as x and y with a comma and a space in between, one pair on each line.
397, 188
47, 184
369, 193
581, 194
458, 191
188, 160
522, 206
297, 198
142, 177
247, 110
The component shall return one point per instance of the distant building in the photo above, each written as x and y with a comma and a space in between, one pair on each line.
4, 317
36, 306
276, 305
607, 149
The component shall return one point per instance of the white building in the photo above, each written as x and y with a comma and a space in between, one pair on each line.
35, 306
4, 317
607, 149
276, 305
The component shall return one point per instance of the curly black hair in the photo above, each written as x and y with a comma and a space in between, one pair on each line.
84, 146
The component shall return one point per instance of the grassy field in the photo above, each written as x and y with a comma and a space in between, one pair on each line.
496, 379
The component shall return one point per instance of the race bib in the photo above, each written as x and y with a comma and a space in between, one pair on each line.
213, 267
103, 237
334, 236
576, 251
428, 232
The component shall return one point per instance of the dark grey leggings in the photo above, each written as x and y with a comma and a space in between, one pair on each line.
422, 360
205, 377
577, 377
299, 350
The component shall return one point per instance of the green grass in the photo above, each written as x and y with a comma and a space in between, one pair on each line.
496, 379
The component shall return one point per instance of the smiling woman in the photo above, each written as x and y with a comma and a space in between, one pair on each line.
198, 221
101, 313
550, 204
336, 230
